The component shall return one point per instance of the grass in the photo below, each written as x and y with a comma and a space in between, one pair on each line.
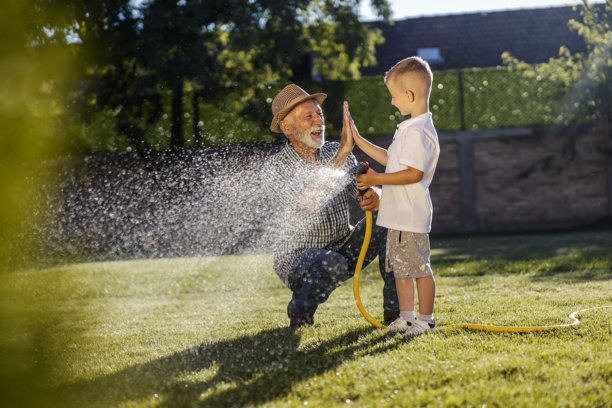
212, 332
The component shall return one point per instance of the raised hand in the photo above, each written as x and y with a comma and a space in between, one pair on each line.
354, 132
346, 140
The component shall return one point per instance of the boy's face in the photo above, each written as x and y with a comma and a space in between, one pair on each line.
401, 96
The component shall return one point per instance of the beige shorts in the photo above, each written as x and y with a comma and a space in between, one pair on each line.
408, 254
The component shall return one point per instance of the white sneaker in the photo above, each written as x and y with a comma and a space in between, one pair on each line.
399, 325
419, 327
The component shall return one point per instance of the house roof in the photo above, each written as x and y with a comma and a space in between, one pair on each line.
479, 39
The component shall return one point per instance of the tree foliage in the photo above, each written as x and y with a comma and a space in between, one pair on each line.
132, 53
585, 77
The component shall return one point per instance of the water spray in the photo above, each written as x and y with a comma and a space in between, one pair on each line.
362, 168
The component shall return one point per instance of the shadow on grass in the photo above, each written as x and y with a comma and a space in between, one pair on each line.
572, 277
244, 371
566, 257
521, 246
562, 268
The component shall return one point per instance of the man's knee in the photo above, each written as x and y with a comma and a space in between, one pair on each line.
318, 268
332, 267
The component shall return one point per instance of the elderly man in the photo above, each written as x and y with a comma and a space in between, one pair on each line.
316, 248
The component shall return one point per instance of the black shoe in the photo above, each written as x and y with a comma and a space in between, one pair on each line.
390, 316
299, 321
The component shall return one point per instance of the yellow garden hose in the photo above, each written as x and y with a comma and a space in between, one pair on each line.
362, 254
526, 329
481, 327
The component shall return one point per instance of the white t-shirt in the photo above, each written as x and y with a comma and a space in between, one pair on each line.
408, 207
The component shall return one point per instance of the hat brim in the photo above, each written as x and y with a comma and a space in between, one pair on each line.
275, 125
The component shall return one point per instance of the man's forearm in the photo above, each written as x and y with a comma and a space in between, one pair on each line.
340, 157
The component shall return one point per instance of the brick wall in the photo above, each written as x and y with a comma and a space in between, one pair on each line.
548, 178
446, 190
520, 179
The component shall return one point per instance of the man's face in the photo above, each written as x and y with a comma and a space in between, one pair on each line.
306, 124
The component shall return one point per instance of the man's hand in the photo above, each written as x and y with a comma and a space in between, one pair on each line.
346, 140
367, 180
369, 201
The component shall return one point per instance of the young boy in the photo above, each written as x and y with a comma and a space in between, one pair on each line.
405, 205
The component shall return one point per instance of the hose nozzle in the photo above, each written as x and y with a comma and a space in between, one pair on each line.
360, 168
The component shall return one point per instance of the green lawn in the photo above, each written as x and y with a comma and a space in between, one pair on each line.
212, 332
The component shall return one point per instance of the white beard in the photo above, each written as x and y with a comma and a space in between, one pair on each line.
304, 136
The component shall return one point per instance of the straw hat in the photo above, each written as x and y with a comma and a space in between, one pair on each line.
288, 98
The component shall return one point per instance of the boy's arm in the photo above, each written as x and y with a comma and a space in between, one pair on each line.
372, 178
375, 152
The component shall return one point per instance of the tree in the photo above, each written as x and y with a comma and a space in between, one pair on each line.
246, 45
104, 38
180, 41
132, 52
583, 79
586, 77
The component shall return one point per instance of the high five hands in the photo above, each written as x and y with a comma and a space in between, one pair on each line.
347, 140
370, 199
364, 181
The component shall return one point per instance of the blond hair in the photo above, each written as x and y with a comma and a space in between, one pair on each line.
412, 65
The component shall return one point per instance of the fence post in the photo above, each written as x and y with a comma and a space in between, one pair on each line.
461, 100
607, 132
195, 106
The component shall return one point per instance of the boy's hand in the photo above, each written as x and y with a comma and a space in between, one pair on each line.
354, 132
367, 180
346, 140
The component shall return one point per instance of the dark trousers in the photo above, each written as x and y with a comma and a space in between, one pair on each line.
317, 272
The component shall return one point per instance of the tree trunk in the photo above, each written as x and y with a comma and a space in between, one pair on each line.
176, 131
197, 139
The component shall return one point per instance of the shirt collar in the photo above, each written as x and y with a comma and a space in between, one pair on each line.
408, 122
294, 156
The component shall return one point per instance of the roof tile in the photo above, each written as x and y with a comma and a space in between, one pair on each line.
479, 39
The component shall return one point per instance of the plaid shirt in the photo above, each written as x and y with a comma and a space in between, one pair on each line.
286, 176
